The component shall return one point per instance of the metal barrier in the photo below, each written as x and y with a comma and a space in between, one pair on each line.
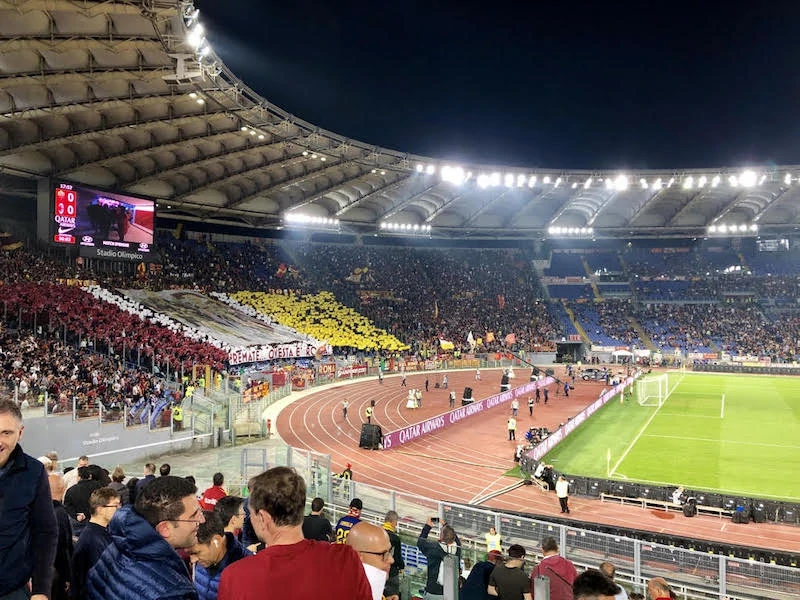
693, 574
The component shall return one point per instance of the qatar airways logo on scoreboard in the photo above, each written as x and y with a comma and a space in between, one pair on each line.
65, 214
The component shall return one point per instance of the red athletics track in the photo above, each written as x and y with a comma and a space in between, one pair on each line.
467, 460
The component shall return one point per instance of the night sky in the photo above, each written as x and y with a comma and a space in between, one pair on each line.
596, 85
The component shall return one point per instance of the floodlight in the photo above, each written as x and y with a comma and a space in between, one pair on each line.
430, 170
670, 182
200, 101
520, 180
416, 226
305, 152
252, 132
532, 181
574, 184
509, 180
609, 184
261, 136
688, 183
383, 225
722, 229
787, 179
383, 172
742, 227
702, 181
195, 37
621, 183
753, 227
657, 184
419, 168
494, 179
546, 179
244, 128
587, 183
712, 229
193, 95
733, 181
558, 182
314, 155
643, 183
762, 180
483, 181
715, 181
748, 178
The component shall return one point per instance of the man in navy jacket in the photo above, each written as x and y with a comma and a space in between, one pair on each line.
141, 562
214, 551
28, 530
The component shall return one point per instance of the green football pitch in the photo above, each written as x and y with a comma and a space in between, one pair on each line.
732, 434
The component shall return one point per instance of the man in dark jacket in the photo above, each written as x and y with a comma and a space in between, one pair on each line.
215, 549
28, 530
315, 525
103, 503
141, 561
393, 581
435, 551
61, 576
476, 587
76, 500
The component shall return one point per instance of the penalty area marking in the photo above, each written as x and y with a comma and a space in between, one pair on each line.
636, 439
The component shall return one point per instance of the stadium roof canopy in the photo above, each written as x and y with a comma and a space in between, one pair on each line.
128, 95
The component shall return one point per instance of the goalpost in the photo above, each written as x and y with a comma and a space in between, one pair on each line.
652, 391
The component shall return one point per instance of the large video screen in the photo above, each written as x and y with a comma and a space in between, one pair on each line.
106, 224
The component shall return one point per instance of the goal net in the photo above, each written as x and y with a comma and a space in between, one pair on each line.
652, 391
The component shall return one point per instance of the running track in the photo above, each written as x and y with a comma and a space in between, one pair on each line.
467, 460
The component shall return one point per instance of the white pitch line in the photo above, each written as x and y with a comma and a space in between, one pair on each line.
722, 408
694, 439
636, 439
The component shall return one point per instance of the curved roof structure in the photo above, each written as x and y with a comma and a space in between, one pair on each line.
128, 95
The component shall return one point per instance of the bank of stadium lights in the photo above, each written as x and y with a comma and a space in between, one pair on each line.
570, 231
301, 219
196, 98
315, 155
375, 172
405, 227
733, 229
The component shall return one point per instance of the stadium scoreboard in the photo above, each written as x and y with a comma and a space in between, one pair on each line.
103, 224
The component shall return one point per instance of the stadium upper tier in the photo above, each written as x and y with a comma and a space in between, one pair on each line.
130, 96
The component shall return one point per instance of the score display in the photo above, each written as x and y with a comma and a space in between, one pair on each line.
103, 224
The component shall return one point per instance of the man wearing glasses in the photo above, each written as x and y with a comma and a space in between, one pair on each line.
103, 503
375, 550
141, 562
290, 567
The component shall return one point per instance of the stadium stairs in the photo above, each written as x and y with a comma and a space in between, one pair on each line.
598, 297
581, 331
648, 343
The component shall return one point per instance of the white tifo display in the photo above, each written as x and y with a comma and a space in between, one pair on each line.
652, 391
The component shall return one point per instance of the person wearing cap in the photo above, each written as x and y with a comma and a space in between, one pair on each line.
477, 583
348, 472
346, 523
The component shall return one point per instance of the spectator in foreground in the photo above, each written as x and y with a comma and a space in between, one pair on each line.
103, 503
659, 589
559, 570
607, 569
212, 495
315, 525
594, 585
27, 537
348, 521
299, 568
214, 551
435, 553
141, 561
508, 580
231, 510
477, 583
392, 587
375, 550
64, 546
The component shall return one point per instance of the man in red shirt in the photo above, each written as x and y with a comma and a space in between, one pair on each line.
558, 569
291, 566
213, 494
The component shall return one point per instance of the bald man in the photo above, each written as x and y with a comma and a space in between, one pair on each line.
375, 550
658, 589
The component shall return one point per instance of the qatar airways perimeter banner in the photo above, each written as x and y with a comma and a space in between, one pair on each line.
434, 424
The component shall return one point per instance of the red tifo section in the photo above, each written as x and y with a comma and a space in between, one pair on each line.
468, 460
